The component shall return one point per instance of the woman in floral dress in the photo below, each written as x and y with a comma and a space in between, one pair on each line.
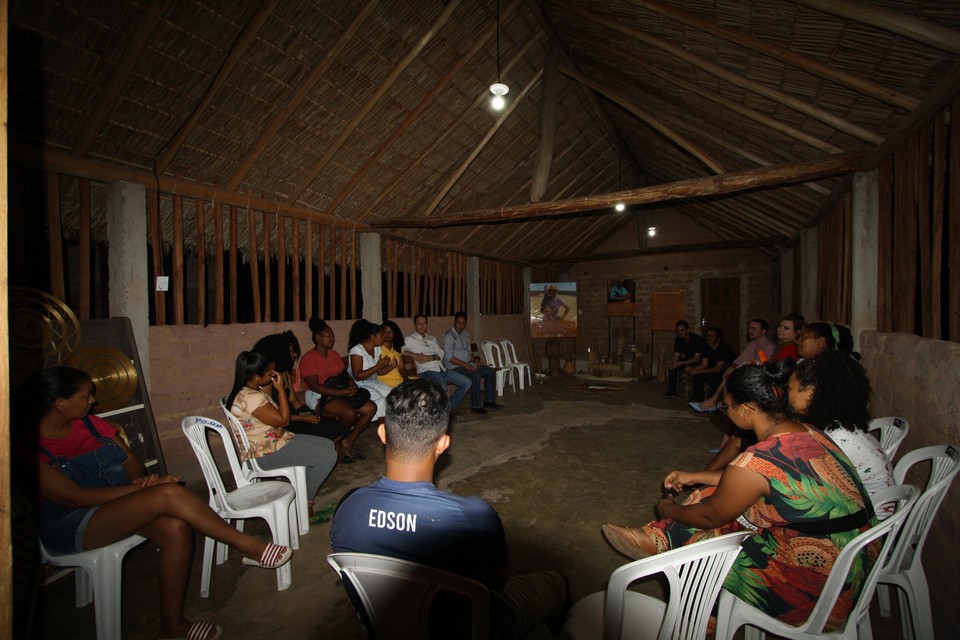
795, 489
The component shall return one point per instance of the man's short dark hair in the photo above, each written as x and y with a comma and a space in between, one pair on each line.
419, 315
716, 330
460, 314
763, 323
418, 413
682, 323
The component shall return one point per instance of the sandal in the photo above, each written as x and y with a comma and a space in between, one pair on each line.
629, 547
201, 630
273, 557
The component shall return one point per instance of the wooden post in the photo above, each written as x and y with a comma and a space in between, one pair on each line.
281, 268
55, 237
267, 284
254, 268
308, 302
296, 269
176, 280
156, 253
84, 248
218, 299
234, 259
200, 205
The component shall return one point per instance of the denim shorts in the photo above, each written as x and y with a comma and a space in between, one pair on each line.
63, 533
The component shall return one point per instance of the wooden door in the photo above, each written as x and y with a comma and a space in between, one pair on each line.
720, 303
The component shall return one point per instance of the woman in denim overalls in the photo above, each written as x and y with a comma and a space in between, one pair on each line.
94, 492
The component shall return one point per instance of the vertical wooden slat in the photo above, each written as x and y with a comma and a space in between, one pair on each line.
254, 260
429, 298
55, 236
953, 209
84, 248
296, 269
200, 206
308, 303
156, 253
281, 268
408, 289
936, 226
418, 307
323, 279
267, 284
450, 275
353, 274
922, 180
390, 248
905, 239
218, 299
176, 280
234, 259
343, 274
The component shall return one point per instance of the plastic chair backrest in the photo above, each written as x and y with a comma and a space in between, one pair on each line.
694, 573
492, 354
396, 594
239, 434
892, 432
195, 428
944, 466
509, 352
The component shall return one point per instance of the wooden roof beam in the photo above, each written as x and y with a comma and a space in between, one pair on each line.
902, 24
440, 139
429, 99
239, 48
742, 38
775, 95
381, 91
722, 245
121, 73
706, 186
459, 171
655, 123
306, 86
548, 122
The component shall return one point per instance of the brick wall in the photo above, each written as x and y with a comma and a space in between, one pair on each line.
919, 379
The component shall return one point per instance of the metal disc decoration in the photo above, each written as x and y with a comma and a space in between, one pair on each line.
42, 327
112, 372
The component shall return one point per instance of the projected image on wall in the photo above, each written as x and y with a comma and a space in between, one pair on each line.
553, 309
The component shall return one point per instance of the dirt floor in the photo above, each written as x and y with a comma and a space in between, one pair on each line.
557, 462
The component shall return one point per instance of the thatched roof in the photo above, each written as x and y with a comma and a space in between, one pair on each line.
377, 112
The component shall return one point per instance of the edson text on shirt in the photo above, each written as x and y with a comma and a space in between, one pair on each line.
393, 521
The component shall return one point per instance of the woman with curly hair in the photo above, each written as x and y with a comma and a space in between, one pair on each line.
392, 348
780, 568
832, 392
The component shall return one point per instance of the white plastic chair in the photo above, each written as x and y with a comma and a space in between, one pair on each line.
694, 573
510, 358
892, 432
732, 612
297, 476
904, 569
99, 577
494, 358
396, 594
269, 500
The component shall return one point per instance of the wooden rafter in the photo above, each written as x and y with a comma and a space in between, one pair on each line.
459, 171
306, 86
722, 245
361, 113
707, 186
654, 122
121, 73
240, 47
758, 88
438, 140
441, 85
548, 122
744, 39
903, 24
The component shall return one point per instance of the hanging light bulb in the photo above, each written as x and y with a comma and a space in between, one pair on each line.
498, 89
620, 206
651, 231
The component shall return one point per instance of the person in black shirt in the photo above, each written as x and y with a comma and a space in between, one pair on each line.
717, 356
687, 350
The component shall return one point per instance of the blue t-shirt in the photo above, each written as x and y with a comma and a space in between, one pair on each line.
418, 522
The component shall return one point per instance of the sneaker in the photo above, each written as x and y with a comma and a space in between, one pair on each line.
479, 410
492, 405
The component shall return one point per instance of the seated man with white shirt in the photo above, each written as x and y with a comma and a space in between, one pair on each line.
429, 359
457, 357
403, 515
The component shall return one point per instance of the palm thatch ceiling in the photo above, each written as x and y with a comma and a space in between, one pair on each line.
745, 117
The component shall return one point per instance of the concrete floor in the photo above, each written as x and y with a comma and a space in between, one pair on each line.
557, 462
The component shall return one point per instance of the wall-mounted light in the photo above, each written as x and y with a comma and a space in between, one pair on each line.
651, 231
498, 89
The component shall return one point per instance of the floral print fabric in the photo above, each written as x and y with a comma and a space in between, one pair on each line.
263, 438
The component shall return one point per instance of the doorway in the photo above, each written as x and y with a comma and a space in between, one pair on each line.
720, 303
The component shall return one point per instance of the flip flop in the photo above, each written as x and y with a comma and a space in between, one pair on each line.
696, 407
319, 518
201, 630
623, 545
273, 557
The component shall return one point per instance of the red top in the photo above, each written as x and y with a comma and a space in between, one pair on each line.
313, 364
79, 441
786, 351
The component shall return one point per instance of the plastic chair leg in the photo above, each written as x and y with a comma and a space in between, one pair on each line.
108, 583
883, 599
83, 586
303, 515
281, 536
208, 551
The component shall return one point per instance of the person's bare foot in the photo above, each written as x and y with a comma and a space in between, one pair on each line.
632, 543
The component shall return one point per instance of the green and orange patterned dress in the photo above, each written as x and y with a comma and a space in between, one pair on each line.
782, 569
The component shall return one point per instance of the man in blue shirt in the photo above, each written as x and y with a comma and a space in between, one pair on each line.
458, 357
403, 515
